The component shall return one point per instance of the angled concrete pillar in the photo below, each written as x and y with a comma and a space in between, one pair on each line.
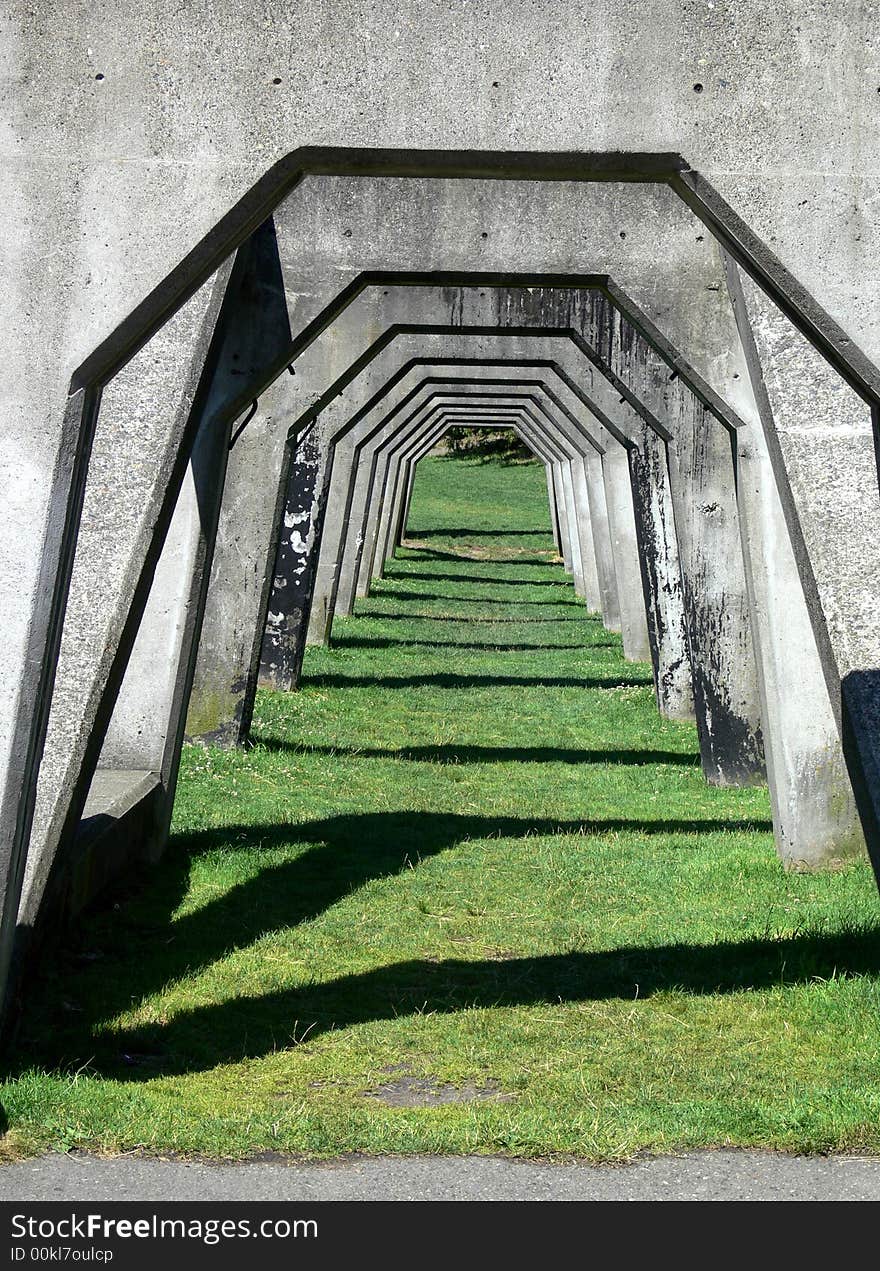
663, 589
134, 730
219, 710
627, 567
292, 576
796, 402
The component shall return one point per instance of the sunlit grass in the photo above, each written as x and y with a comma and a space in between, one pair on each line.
468, 851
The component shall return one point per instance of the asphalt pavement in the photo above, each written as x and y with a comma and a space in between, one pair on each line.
712, 1175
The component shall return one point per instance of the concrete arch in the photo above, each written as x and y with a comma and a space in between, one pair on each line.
85, 408
579, 446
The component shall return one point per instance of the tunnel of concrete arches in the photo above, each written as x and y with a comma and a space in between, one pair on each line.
647, 354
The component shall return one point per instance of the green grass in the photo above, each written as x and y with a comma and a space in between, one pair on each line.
467, 853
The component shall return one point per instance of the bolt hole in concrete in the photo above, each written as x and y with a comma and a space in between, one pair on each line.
698, 88
99, 76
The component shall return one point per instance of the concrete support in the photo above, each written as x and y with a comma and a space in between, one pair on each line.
609, 602
293, 573
667, 629
135, 722
627, 568
219, 709
797, 402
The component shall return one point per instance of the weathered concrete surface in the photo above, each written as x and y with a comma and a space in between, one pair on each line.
219, 710
624, 541
807, 645
115, 533
663, 590
136, 721
292, 577
127, 140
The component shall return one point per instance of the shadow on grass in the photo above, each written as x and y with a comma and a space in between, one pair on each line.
141, 949
432, 553
363, 611
459, 575
397, 593
449, 680
453, 532
489, 754
250, 1027
365, 642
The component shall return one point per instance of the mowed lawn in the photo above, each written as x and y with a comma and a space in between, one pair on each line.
467, 893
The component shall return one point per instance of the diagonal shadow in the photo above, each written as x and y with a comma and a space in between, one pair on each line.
249, 1027
457, 532
365, 642
432, 553
464, 754
343, 853
399, 593
450, 680
363, 610
394, 571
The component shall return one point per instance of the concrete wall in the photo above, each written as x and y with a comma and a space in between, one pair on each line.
125, 141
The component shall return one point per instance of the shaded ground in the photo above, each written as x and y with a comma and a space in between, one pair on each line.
467, 893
